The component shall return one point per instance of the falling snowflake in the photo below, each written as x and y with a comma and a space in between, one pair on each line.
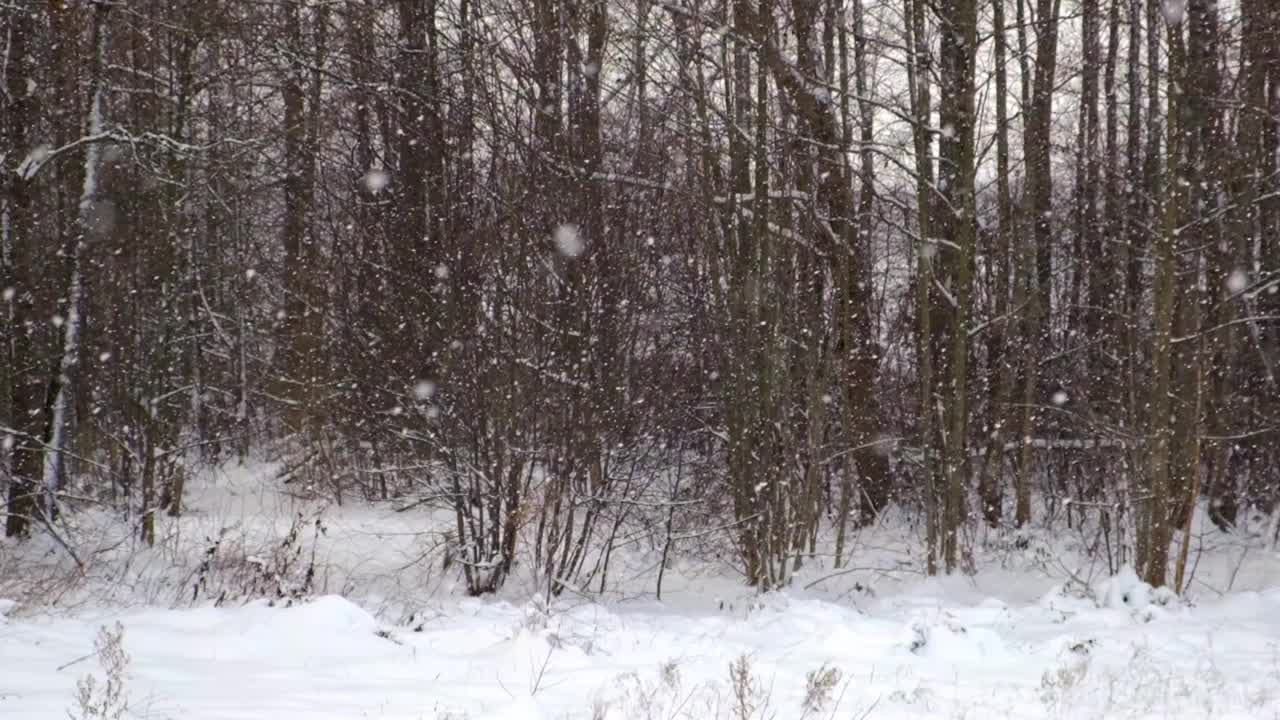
1060, 398
424, 389
884, 445
567, 241
375, 180
1174, 11
7, 294
57, 320
250, 274
104, 357
442, 271
1237, 281
35, 159
101, 217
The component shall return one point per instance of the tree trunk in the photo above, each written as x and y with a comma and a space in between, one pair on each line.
919, 76
959, 19
871, 458
1039, 171
25, 387
62, 385
1005, 340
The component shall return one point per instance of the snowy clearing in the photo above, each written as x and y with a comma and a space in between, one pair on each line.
909, 657
881, 643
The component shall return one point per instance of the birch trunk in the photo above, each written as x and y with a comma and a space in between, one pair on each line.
86, 221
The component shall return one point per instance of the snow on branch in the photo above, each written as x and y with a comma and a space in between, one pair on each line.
39, 157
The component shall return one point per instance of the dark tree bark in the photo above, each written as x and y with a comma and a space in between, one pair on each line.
25, 389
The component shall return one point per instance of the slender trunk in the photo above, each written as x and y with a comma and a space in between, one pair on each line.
956, 175
1135, 236
871, 459
1157, 528
25, 388
298, 345
1039, 171
743, 476
1096, 255
63, 384
1039, 157
1002, 364
918, 79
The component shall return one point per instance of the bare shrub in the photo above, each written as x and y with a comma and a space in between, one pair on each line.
818, 688
285, 572
749, 699
107, 699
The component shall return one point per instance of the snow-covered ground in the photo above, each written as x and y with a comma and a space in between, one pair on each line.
1013, 639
